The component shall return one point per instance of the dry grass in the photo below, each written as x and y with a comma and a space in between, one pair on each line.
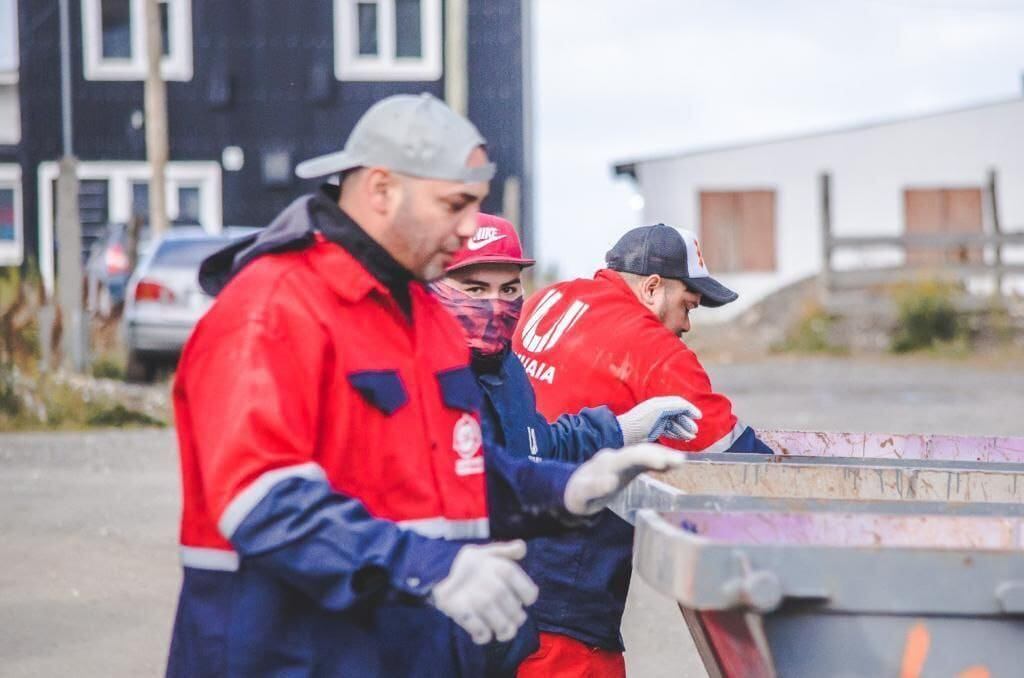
32, 398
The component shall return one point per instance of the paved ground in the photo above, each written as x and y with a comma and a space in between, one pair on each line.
90, 574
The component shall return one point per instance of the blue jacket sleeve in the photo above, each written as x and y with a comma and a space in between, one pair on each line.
577, 437
749, 442
526, 498
328, 546
525, 494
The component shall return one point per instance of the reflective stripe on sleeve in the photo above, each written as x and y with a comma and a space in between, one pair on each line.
209, 559
247, 499
445, 528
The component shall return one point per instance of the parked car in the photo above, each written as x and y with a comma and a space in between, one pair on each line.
164, 301
107, 267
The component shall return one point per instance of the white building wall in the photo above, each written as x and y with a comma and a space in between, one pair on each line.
870, 167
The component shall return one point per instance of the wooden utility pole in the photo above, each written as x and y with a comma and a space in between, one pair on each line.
156, 120
456, 73
526, 181
73, 322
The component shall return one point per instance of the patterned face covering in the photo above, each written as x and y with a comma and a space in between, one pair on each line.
488, 323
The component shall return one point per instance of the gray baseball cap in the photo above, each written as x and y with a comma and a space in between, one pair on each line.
414, 135
670, 253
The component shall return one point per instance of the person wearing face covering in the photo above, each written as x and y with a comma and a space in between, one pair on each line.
483, 290
343, 513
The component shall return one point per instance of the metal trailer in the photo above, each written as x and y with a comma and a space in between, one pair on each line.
805, 593
846, 555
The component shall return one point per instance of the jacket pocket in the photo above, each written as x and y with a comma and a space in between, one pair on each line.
381, 388
459, 389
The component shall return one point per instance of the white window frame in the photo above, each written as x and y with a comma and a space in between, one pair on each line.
13, 253
10, 77
350, 65
177, 65
121, 175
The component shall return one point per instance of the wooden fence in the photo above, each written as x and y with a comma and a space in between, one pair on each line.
994, 266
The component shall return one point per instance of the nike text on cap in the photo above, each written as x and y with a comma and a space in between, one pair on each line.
414, 135
495, 242
670, 253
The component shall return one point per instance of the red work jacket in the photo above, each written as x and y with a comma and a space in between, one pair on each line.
305, 365
586, 343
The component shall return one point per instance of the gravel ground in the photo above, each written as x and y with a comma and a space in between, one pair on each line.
89, 521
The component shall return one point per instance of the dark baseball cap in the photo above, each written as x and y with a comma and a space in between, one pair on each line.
670, 253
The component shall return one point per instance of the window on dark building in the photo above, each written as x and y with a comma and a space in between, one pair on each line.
8, 41
387, 39
11, 232
188, 205
115, 191
117, 29
368, 28
165, 27
408, 29
114, 33
277, 168
7, 223
737, 230
140, 199
93, 203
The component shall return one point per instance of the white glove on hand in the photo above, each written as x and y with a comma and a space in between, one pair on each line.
593, 485
485, 591
669, 416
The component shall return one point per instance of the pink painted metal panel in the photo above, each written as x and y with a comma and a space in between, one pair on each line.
895, 446
851, 530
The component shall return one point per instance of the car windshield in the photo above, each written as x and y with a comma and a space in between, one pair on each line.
186, 253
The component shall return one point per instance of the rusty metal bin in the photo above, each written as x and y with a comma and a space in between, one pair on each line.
844, 478
844, 555
819, 593
895, 446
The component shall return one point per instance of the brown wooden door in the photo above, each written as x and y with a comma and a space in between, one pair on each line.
737, 230
943, 210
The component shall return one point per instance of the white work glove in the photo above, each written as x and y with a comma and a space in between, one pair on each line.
485, 591
596, 482
669, 416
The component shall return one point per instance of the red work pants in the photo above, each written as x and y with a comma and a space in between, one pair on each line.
564, 657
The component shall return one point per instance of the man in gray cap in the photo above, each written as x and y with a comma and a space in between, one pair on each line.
337, 497
615, 340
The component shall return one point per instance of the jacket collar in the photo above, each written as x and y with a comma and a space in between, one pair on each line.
344, 273
492, 369
338, 227
618, 284
612, 278
349, 260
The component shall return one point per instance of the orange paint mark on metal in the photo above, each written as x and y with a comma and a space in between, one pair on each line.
975, 672
915, 652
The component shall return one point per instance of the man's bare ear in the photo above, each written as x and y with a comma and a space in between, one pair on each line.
379, 186
650, 286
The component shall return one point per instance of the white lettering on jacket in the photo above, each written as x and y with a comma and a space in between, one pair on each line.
535, 343
537, 370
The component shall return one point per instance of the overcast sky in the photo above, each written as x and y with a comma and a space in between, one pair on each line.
621, 79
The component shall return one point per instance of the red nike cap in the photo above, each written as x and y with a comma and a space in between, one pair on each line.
495, 242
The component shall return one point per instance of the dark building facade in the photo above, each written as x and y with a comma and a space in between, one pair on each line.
253, 87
